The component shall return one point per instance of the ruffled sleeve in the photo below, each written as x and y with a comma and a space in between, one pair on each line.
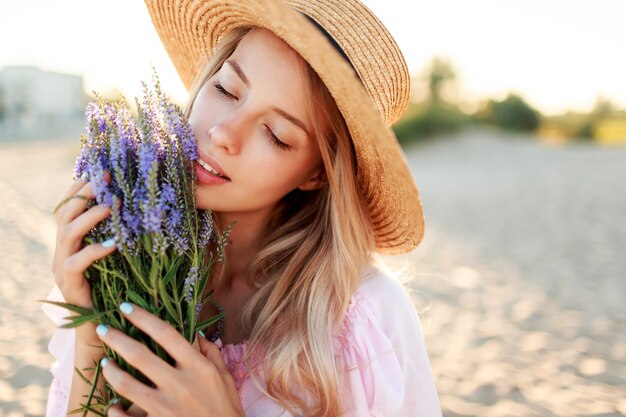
381, 350
61, 347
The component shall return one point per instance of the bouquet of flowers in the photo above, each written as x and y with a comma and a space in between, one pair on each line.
166, 246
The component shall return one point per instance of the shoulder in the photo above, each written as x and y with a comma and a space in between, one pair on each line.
381, 305
381, 288
388, 299
382, 352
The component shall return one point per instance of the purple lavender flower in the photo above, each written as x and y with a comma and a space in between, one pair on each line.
190, 282
82, 160
94, 142
96, 118
96, 175
149, 157
160, 233
205, 233
175, 124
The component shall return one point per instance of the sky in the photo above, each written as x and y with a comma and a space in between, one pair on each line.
558, 54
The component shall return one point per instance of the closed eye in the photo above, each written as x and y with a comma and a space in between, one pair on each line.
223, 91
276, 141
282, 145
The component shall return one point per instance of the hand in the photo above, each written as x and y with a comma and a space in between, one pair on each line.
199, 384
69, 261
73, 223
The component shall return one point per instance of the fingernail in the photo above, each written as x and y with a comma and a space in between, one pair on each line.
108, 243
126, 308
85, 176
102, 329
201, 333
104, 362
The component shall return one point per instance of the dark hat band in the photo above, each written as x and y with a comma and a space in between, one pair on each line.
332, 40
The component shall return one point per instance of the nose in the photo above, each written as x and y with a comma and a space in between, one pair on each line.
223, 136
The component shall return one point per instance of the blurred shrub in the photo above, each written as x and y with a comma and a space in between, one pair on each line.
433, 114
512, 113
433, 119
610, 131
605, 124
567, 126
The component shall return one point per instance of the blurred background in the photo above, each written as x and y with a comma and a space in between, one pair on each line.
516, 136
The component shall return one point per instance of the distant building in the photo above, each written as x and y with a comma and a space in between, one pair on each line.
36, 104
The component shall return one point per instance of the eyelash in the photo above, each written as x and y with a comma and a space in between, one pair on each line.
270, 134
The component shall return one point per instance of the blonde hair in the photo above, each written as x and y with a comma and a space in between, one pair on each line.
311, 260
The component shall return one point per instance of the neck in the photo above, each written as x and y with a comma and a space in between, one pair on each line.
242, 245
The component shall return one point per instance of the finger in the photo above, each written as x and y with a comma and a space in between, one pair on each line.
72, 208
118, 411
81, 225
76, 185
162, 333
136, 411
128, 387
214, 355
138, 355
70, 237
71, 278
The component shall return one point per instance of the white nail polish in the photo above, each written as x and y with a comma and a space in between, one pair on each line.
108, 243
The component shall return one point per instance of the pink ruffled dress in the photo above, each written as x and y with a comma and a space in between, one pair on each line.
380, 347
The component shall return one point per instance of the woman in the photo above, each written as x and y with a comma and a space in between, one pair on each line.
290, 106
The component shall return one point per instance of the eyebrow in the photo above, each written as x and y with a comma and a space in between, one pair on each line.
235, 66
239, 72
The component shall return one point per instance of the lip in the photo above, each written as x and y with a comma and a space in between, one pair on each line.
213, 163
207, 178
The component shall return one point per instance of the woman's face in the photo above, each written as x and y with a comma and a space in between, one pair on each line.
252, 124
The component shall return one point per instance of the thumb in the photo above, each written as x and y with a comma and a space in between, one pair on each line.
133, 411
203, 345
196, 342
136, 411
212, 352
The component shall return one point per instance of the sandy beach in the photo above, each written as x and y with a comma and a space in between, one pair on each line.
519, 282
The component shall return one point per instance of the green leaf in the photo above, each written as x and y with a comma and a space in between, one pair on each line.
137, 299
210, 321
154, 275
172, 272
76, 321
71, 307
104, 270
83, 377
166, 301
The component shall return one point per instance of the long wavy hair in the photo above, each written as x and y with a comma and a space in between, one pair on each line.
313, 254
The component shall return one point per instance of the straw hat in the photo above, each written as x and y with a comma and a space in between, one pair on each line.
370, 100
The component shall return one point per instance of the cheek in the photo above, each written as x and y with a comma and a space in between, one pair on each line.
269, 171
204, 110
274, 172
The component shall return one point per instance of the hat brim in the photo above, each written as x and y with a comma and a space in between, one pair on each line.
190, 31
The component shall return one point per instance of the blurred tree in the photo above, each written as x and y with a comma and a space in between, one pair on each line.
439, 73
432, 109
511, 113
431, 121
603, 108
